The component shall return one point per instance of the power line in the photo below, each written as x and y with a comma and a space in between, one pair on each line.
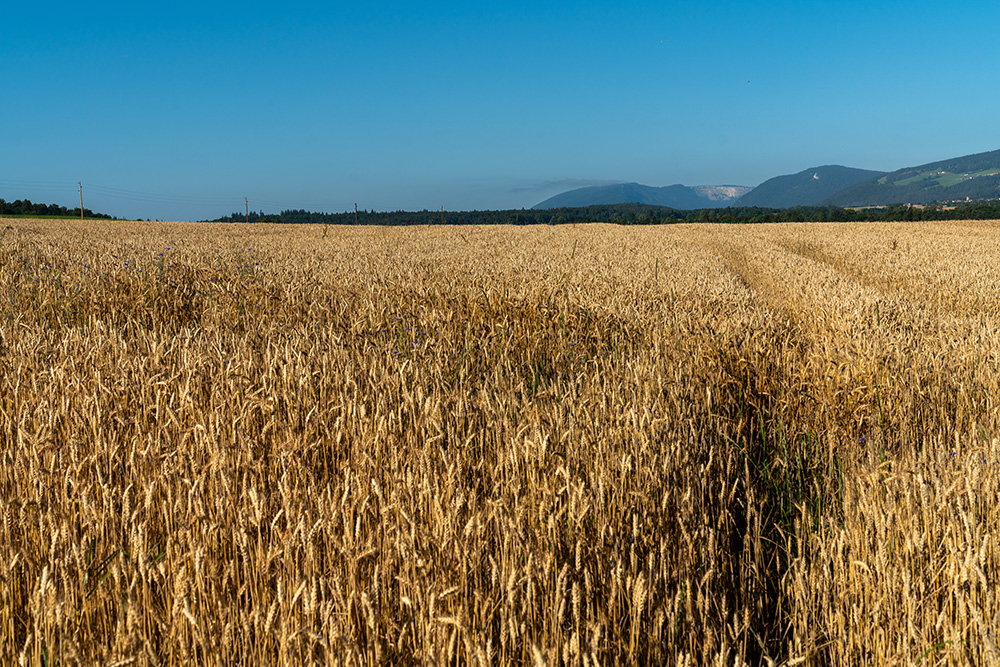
135, 195
36, 186
109, 192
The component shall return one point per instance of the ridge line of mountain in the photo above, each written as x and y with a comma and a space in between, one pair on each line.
965, 178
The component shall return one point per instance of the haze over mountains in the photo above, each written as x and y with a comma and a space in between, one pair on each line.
674, 196
969, 177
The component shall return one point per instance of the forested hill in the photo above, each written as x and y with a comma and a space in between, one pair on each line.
969, 177
806, 188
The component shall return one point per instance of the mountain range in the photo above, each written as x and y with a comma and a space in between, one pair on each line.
957, 179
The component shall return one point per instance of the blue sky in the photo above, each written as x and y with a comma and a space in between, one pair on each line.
178, 111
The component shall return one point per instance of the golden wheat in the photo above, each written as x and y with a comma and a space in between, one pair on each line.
693, 444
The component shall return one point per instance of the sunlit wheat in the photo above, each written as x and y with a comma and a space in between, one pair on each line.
231, 444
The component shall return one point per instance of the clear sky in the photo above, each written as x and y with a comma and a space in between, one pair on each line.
179, 110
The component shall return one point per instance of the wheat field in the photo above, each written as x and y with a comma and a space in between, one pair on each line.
679, 445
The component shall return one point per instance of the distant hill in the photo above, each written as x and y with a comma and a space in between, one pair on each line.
956, 179
805, 188
673, 196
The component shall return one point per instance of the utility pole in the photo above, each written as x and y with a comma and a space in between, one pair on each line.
246, 203
355, 213
80, 183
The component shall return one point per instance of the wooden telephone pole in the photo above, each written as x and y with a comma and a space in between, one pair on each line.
80, 183
355, 213
246, 202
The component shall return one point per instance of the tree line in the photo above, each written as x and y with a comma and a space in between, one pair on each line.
632, 214
25, 207
620, 214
